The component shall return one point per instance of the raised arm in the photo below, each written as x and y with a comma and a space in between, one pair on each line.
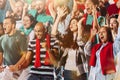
52, 10
80, 29
25, 9
116, 44
12, 4
1, 61
88, 45
95, 21
74, 8
61, 12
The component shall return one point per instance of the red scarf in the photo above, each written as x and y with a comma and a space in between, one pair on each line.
106, 58
37, 59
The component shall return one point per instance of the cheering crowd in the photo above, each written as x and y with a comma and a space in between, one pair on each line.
59, 39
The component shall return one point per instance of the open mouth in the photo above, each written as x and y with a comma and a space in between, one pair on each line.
71, 27
101, 37
111, 28
4, 28
25, 24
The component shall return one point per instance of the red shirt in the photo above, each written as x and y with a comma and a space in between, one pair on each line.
112, 9
106, 58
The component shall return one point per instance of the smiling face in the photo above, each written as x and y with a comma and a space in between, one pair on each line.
40, 6
39, 30
73, 25
27, 22
88, 7
18, 8
2, 3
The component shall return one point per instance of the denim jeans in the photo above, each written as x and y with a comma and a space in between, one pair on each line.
40, 77
72, 75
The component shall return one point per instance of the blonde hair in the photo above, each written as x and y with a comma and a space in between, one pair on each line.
68, 3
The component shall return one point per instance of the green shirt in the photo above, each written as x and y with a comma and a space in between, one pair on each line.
32, 12
12, 46
89, 20
41, 17
29, 1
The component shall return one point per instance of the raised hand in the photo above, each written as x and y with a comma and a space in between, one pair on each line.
80, 22
13, 68
94, 11
62, 11
93, 32
44, 45
2, 68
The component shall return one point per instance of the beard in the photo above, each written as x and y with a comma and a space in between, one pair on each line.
2, 5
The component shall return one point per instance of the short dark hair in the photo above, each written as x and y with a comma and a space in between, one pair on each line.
12, 19
115, 16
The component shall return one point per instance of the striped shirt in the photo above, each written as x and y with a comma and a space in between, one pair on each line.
43, 69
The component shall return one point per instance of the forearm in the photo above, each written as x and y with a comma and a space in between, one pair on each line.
52, 11
95, 22
80, 29
87, 48
53, 59
80, 32
25, 9
74, 8
116, 44
20, 62
12, 4
55, 26
27, 61
1, 58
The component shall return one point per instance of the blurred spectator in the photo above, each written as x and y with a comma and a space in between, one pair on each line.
17, 13
113, 24
1, 29
112, 9
27, 28
62, 17
43, 49
4, 7
39, 12
103, 55
103, 10
12, 48
73, 58
59, 3
17, 8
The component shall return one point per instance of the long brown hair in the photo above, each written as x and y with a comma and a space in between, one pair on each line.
109, 33
67, 40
